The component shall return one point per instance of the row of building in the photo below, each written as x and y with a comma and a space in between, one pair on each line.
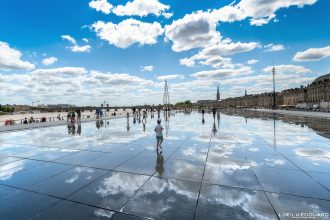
315, 95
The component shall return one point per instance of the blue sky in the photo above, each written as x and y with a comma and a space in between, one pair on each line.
84, 52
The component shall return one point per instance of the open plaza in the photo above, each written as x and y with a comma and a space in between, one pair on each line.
237, 165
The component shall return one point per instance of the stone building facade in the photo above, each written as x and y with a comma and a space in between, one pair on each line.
315, 94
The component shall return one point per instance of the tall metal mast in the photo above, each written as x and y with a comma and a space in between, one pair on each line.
274, 95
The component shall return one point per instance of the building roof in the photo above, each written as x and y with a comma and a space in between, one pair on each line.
322, 78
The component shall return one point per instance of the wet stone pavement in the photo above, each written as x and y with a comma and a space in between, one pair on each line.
240, 165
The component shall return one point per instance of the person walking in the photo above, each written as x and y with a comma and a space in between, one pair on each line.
159, 134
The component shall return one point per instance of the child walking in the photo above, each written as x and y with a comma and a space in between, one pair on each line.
159, 134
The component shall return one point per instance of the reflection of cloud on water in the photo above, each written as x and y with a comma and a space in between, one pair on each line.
103, 213
274, 162
120, 183
254, 204
202, 138
193, 153
7, 171
231, 166
167, 195
78, 171
314, 153
294, 204
173, 137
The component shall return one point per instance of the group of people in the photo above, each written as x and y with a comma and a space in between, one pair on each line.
158, 129
71, 117
32, 120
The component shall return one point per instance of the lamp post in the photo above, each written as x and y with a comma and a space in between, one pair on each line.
274, 95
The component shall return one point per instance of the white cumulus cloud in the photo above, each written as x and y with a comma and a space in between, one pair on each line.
312, 54
196, 30
142, 8
172, 76
146, 68
10, 59
101, 5
252, 61
69, 38
128, 32
259, 12
49, 61
274, 47
75, 47
68, 71
214, 55
288, 69
221, 73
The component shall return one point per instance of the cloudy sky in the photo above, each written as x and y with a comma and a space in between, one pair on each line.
83, 52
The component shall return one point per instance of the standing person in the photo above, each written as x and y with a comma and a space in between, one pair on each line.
159, 134
134, 111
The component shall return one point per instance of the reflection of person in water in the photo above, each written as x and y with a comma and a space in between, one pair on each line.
214, 111
101, 123
71, 128
97, 124
127, 126
79, 128
134, 120
159, 164
203, 120
214, 130
144, 121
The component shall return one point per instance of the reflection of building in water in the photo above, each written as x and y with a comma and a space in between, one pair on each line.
319, 125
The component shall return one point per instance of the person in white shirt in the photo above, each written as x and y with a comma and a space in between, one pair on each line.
159, 134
